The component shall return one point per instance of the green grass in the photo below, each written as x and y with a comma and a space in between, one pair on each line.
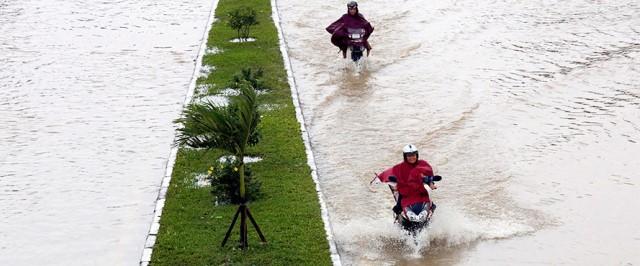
192, 228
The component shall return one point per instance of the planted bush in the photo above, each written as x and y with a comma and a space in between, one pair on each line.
250, 77
225, 185
241, 20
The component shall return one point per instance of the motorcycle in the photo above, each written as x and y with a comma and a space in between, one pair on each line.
356, 43
415, 217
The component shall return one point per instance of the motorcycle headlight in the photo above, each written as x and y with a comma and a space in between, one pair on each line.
423, 216
412, 216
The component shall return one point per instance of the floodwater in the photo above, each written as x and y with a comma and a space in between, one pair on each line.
530, 110
88, 92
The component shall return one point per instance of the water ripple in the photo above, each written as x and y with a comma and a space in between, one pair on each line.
490, 90
89, 91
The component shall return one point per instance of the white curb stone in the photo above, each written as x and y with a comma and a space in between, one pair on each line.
155, 225
335, 256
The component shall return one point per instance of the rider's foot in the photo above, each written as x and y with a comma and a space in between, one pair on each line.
397, 209
344, 54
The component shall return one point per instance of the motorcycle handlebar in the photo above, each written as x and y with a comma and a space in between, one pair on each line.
426, 179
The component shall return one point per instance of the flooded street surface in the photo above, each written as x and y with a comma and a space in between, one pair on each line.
530, 110
88, 94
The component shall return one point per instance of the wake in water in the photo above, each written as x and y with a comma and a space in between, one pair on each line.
375, 239
355, 67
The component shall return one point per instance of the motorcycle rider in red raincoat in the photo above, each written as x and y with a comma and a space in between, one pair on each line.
352, 19
409, 176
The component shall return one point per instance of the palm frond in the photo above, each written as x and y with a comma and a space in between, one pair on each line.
230, 128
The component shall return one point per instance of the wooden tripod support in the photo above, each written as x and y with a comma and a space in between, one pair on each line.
243, 211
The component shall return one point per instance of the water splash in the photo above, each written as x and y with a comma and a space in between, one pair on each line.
371, 238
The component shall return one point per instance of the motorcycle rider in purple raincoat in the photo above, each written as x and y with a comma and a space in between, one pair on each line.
353, 19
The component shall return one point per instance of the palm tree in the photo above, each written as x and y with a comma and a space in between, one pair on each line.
230, 128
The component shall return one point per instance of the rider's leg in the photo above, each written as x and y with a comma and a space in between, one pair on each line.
398, 208
340, 42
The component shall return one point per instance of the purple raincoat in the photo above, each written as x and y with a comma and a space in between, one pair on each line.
338, 29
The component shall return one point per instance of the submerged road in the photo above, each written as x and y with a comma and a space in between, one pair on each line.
530, 111
89, 91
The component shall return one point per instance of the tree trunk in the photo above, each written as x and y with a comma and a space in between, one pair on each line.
243, 198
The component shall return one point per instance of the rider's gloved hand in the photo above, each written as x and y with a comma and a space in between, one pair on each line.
431, 179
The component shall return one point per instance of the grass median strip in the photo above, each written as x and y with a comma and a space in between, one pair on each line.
192, 227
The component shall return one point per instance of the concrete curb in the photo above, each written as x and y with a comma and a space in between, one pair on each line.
166, 180
335, 256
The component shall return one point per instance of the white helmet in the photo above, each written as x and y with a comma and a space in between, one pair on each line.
409, 149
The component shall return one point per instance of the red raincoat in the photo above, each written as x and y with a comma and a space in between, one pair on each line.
410, 182
338, 29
